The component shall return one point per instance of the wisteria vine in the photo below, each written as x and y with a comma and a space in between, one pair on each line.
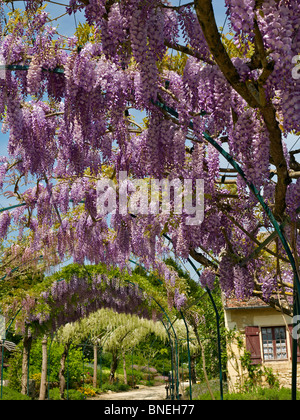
84, 131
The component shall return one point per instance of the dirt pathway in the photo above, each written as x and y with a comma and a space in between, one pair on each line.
143, 393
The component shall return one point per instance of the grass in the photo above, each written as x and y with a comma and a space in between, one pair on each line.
200, 392
11, 394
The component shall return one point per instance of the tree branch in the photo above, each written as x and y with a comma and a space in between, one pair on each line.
188, 51
251, 92
201, 259
206, 17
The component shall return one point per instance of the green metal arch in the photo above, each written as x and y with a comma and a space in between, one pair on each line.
253, 189
275, 224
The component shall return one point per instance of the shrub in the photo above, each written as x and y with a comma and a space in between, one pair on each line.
260, 393
115, 387
71, 394
14, 372
161, 378
54, 394
11, 394
75, 361
15, 365
150, 383
122, 387
74, 394
87, 391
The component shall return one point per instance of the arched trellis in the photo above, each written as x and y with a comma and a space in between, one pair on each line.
167, 328
187, 335
278, 228
218, 331
167, 325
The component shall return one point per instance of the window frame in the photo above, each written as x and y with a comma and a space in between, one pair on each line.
275, 356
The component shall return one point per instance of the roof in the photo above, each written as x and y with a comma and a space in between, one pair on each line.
8, 345
252, 303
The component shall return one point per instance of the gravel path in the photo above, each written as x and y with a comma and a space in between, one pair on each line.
143, 393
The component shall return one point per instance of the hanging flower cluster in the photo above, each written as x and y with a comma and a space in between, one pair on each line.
70, 123
69, 301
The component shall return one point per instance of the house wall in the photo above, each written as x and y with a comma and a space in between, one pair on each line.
262, 317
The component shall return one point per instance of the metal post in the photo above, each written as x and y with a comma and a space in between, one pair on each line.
48, 365
171, 387
2, 357
275, 224
218, 331
68, 373
132, 368
219, 342
189, 355
2, 350
100, 360
171, 325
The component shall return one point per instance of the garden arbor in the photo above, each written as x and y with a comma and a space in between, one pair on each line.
77, 294
68, 103
111, 332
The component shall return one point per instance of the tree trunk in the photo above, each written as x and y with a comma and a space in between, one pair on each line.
61, 375
113, 367
1, 350
203, 363
27, 341
193, 370
95, 366
124, 368
43, 387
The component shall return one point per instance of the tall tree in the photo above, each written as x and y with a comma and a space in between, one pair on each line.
27, 340
44, 382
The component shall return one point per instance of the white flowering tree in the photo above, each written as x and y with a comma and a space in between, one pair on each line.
113, 332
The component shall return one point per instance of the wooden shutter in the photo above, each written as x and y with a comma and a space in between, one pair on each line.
253, 344
291, 344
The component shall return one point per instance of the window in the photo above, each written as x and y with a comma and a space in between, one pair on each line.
274, 343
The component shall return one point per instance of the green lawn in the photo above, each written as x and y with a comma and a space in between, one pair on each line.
200, 392
11, 394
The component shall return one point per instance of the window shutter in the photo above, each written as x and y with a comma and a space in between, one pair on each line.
253, 344
291, 344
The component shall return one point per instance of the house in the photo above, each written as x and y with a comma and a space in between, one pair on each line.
265, 333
